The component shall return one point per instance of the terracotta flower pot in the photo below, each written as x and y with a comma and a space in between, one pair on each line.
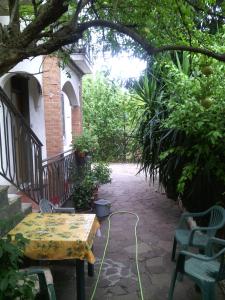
80, 154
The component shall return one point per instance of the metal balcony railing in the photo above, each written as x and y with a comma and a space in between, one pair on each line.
21, 159
20, 151
58, 172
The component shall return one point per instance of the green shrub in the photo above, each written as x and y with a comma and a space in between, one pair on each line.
82, 192
86, 142
86, 184
13, 284
107, 110
101, 172
181, 134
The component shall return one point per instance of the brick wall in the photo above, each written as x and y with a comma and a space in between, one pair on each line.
52, 105
76, 121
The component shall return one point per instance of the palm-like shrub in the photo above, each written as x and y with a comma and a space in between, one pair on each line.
152, 139
181, 131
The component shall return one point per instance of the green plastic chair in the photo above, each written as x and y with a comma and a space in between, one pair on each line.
45, 281
204, 270
47, 207
198, 236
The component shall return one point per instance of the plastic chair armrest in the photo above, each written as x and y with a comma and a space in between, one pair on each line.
40, 271
196, 229
64, 210
186, 215
51, 292
215, 240
201, 256
197, 256
44, 275
183, 218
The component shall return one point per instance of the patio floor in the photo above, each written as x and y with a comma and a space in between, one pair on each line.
158, 219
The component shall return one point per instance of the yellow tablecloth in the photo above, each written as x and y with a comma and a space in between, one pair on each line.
58, 236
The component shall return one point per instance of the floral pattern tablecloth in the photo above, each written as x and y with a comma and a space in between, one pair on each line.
58, 236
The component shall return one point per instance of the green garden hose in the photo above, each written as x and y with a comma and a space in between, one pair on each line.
105, 249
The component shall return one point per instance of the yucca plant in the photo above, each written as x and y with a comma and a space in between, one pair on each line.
150, 93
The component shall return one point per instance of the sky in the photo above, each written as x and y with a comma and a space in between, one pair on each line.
122, 66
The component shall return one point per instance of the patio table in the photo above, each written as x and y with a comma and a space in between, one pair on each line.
59, 237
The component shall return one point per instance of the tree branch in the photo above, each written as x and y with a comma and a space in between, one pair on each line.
26, 45
184, 23
35, 7
70, 35
207, 52
14, 17
207, 12
146, 45
81, 4
120, 28
47, 14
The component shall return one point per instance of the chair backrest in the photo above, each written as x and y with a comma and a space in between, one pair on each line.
45, 280
217, 218
46, 206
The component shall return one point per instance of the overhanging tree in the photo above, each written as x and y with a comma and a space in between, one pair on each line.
39, 27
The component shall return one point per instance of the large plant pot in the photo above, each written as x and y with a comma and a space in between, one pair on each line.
102, 208
80, 154
171, 192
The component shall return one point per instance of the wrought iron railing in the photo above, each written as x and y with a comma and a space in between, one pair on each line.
21, 159
58, 173
20, 151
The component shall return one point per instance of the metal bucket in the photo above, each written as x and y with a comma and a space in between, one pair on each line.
102, 208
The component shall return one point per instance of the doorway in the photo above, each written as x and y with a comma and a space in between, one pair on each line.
23, 150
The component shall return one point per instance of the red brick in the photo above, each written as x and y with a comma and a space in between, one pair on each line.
52, 104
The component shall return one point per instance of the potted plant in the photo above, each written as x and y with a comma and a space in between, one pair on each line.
87, 183
83, 190
86, 143
101, 172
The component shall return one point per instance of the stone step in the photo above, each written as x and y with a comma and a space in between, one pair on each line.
12, 210
26, 208
13, 219
4, 195
12, 207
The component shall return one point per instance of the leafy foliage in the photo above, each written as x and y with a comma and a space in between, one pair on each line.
182, 137
14, 284
203, 126
83, 191
150, 96
43, 27
106, 110
86, 142
101, 172
92, 177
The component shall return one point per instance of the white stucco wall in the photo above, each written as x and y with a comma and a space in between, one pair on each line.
4, 20
37, 117
31, 67
67, 139
74, 80
70, 86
